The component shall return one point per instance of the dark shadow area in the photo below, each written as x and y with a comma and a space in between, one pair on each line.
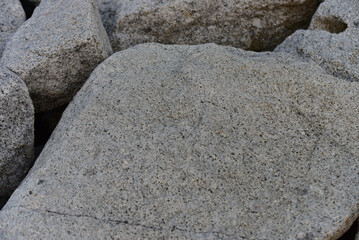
45, 124
3, 201
290, 27
28, 8
331, 24
350, 234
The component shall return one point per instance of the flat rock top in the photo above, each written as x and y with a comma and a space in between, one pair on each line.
196, 142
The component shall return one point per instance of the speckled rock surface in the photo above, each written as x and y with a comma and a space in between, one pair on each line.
332, 42
254, 25
16, 131
196, 142
55, 51
11, 17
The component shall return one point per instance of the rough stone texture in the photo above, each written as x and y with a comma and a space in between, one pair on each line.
55, 51
11, 17
16, 131
255, 25
332, 42
196, 142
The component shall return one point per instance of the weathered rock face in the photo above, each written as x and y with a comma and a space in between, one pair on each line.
55, 51
254, 25
16, 131
332, 42
196, 142
11, 17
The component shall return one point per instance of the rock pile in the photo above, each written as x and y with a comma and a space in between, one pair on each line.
181, 141
54, 57
255, 25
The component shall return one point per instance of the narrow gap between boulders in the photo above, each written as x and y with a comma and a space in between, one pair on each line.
303, 25
45, 124
28, 8
350, 234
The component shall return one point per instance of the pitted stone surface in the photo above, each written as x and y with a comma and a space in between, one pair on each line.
254, 25
55, 51
11, 17
196, 142
16, 131
332, 41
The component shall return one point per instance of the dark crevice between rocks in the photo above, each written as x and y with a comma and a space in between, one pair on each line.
3, 200
28, 8
350, 234
45, 124
331, 24
257, 44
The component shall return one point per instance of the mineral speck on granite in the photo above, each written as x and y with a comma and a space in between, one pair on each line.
16, 131
56, 50
12, 15
197, 142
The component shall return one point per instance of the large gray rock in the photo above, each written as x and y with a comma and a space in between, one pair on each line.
196, 142
16, 131
332, 41
12, 15
254, 25
55, 51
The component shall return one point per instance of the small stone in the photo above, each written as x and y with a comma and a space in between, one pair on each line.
55, 51
12, 15
16, 131
196, 142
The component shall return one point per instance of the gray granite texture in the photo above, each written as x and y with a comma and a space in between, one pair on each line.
254, 25
332, 41
56, 50
196, 142
12, 15
16, 131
